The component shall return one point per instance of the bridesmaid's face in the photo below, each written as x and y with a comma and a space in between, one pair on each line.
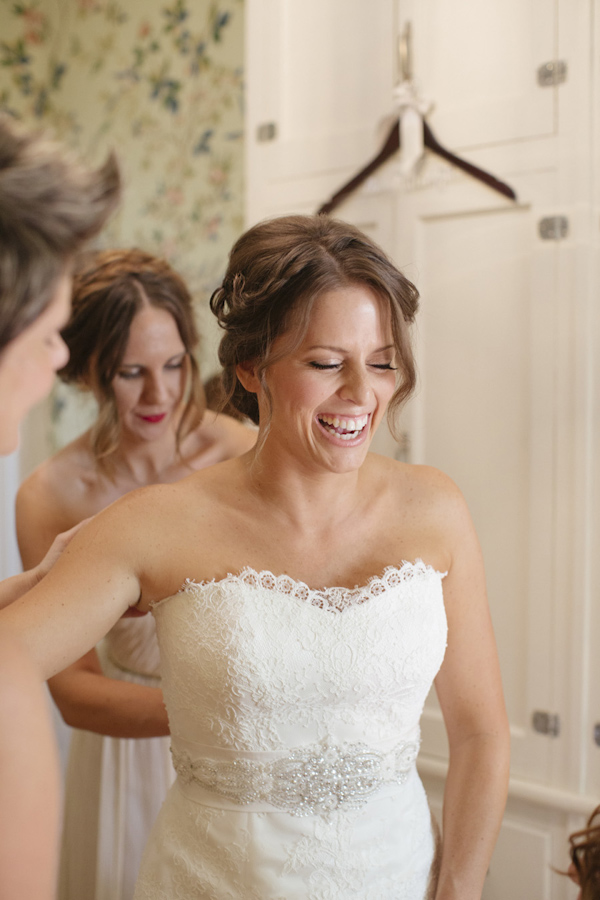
330, 393
150, 382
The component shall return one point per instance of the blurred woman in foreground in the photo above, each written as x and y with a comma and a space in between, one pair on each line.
585, 858
49, 206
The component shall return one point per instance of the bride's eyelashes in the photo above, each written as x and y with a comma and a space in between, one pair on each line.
388, 367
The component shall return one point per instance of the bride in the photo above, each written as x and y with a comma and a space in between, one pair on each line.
306, 595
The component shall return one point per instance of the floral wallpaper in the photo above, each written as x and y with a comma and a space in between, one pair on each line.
161, 83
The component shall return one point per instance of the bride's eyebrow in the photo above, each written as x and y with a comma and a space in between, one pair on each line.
342, 350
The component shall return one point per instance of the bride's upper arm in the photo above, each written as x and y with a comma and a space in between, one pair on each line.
469, 684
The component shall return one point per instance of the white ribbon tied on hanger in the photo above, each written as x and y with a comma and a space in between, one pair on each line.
411, 110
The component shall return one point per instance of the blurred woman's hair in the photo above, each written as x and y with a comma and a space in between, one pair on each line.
109, 288
585, 855
276, 272
50, 204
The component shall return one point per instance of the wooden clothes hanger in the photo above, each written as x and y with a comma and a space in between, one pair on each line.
392, 145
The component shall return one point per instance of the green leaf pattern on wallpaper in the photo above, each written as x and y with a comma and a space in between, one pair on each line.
161, 83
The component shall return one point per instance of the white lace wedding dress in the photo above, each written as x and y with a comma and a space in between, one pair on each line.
114, 786
295, 728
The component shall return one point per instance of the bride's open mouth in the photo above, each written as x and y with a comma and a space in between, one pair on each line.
346, 428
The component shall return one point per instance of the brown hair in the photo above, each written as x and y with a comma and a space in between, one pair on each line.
49, 206
585, 854
109, 288
277, 270
216, 398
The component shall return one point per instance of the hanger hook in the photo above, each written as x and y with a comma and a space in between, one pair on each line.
405, 54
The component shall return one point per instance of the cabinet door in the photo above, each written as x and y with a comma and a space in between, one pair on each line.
485, 414
320, 78
477, 63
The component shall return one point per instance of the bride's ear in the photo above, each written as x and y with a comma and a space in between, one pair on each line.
246, 373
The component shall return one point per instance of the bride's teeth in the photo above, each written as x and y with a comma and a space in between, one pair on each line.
346, 429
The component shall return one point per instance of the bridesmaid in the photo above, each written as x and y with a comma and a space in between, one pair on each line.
131, 339
49, 206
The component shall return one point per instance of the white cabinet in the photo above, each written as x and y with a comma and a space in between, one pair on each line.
508, 338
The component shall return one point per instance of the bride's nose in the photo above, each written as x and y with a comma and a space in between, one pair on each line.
357, 386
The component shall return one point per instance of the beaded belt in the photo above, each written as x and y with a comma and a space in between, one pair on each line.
308, 781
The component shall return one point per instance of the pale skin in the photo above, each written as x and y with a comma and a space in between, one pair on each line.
27, 368
330, 513
29, 766
72, 486
28, 759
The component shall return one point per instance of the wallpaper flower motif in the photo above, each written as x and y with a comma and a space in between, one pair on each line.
160, 82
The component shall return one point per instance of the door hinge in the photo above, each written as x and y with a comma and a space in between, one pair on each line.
597, 733
553, 228
552, 73
546, 723
266, 132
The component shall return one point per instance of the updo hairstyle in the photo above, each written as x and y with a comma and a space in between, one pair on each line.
276, 272
109, 289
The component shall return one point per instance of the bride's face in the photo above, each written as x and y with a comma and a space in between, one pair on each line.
330, 393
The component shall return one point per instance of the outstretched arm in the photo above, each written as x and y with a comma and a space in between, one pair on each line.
87, 699
13, 588
95, 581
470, 694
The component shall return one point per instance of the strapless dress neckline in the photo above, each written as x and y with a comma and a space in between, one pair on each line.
335, 598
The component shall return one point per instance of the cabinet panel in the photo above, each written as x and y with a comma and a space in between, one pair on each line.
322, 74
477, 63
485, 415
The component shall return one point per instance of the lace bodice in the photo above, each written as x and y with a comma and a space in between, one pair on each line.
257, 662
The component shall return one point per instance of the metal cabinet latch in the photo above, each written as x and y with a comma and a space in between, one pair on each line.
546, 723
552, 73
266, 132
553, 228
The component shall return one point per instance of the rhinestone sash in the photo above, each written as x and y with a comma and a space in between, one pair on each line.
308, 781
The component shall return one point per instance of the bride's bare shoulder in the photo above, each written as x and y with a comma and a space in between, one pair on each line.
421, 480
425, 491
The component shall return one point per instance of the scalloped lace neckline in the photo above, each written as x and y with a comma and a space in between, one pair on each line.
334, 599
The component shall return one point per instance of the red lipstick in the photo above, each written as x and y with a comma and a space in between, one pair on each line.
153, 419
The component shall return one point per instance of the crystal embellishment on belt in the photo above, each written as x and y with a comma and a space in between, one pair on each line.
311, 780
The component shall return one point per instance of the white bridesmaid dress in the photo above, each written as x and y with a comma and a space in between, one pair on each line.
114, 786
